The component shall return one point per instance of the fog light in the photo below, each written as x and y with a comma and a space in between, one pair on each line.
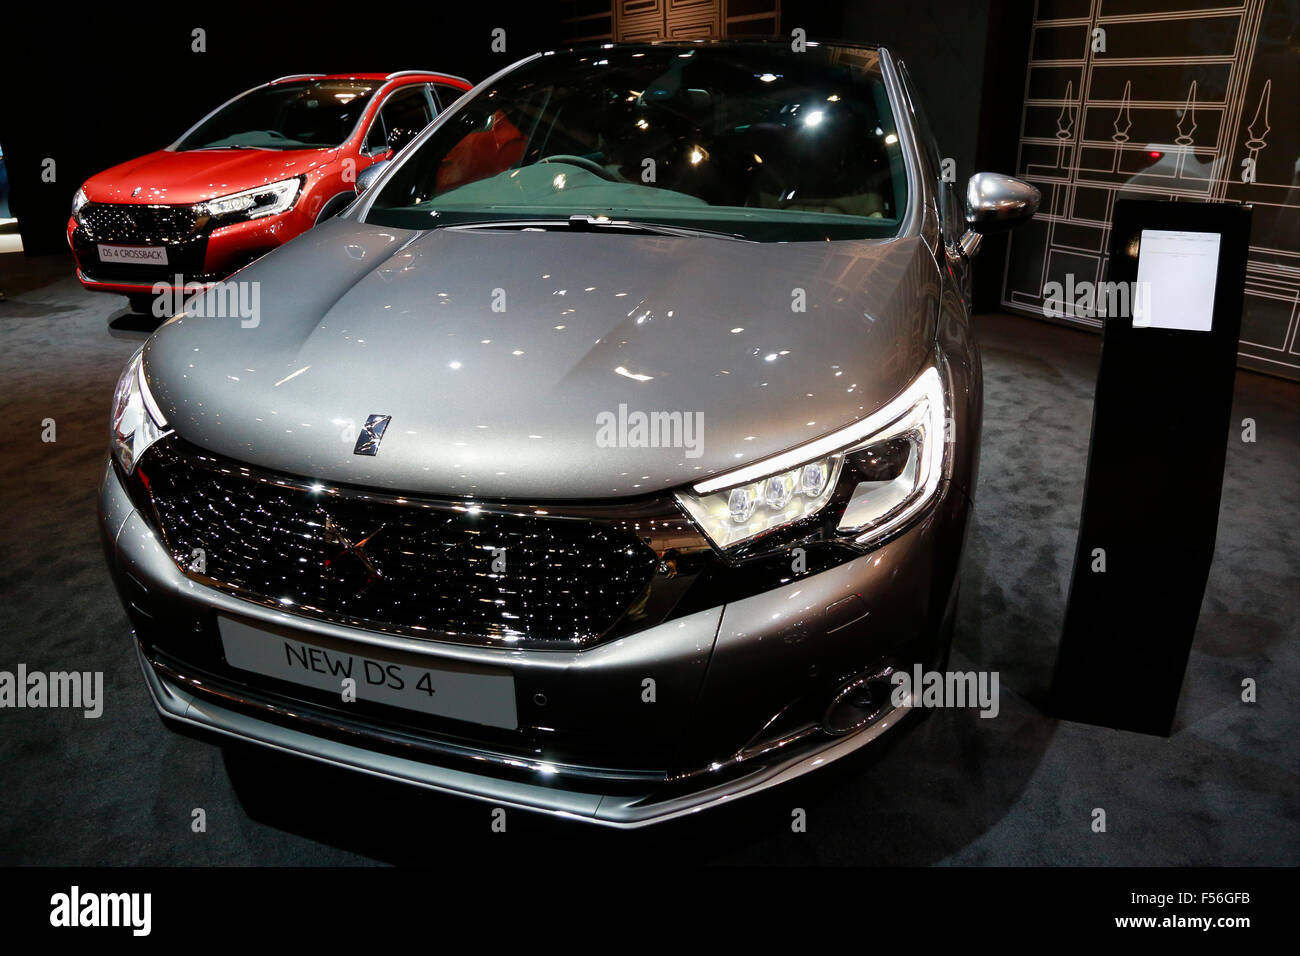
860, 701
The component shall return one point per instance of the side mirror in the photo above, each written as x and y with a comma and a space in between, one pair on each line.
367, 176
995, 203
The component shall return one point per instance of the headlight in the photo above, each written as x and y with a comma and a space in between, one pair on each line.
253, 203
137, 420
78, 200
875, 475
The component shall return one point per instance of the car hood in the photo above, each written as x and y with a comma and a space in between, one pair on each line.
175, 178
514, 364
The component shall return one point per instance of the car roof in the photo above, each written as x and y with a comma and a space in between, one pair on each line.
380, 77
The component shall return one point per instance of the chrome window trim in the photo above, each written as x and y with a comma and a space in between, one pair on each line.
447, 76
914, 219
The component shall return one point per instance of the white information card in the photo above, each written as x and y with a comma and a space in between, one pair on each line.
1175, 280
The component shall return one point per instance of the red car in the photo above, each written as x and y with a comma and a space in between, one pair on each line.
257, 171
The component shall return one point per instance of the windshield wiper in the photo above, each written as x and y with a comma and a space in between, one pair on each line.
585, 223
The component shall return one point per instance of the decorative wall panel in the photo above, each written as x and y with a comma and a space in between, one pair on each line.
1189, 100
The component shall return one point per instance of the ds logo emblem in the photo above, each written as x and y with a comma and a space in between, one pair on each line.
372, 433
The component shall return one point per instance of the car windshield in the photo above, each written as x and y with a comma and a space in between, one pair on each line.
312, 114
751, 140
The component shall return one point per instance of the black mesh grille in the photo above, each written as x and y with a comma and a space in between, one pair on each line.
414, 567
124, 222
185, 259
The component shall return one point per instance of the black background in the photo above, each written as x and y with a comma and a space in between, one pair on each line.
97, 87
94, 90
492, 906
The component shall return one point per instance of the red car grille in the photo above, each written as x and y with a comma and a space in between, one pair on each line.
124, 222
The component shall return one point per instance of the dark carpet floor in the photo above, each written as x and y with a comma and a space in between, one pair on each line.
957, 789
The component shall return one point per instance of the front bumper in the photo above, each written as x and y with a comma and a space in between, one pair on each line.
732, 682
622, 810
203, 258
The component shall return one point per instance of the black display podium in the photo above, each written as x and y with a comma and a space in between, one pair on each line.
1160, 427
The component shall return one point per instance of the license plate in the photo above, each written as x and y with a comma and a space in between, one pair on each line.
146, 255
480, 695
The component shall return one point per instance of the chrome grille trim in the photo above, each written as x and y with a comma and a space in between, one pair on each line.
131, 222
572, 571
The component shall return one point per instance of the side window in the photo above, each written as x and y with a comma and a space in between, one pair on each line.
447, 95
404, 113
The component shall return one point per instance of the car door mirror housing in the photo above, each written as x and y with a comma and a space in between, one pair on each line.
995, 203
367, 176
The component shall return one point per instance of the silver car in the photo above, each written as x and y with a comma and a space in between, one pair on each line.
607, 457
